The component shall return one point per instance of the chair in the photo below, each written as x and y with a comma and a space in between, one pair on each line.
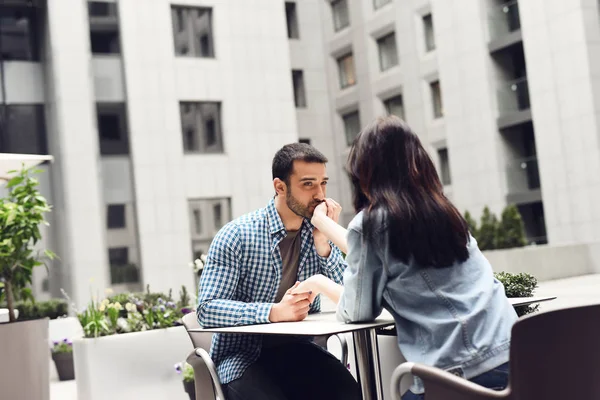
206, 379
553, 356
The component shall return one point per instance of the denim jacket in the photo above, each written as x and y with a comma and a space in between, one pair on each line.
457, 318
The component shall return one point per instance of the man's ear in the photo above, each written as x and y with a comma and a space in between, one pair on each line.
279, 186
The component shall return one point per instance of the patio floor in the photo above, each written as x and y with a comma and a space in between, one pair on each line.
570, 292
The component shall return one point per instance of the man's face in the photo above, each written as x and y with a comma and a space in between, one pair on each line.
307, 188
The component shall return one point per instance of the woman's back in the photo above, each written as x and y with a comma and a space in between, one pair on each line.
455, 318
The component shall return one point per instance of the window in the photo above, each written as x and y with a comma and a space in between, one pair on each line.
346, 68
23, 129
292, 20
299, 93
112, 128
305, 141
341, 17
192, 31
104, 28
429, 36
121, 270
444, 166
395, 106
380, 3
102, 9
105, 42
388, 54
115, 216
436, 97
218, 215
214, 213
197, 221
201, 123
19, 33
351, 126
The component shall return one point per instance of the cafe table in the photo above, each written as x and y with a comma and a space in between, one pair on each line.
364, 335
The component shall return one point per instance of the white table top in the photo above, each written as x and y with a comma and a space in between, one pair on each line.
524, 301
324, 323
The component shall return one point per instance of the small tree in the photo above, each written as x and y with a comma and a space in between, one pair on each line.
511, 230
487, 230
21, 214
472, 225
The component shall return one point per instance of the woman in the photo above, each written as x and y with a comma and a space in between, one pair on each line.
409, 251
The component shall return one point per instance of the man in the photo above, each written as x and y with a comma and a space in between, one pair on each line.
252, 264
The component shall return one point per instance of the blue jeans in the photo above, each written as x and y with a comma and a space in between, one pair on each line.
495, 379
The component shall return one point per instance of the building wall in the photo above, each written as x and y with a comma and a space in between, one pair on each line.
561, 41
307, 53
73, 141
469, 98
258, 117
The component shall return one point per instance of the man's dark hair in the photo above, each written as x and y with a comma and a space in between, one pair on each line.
283, 162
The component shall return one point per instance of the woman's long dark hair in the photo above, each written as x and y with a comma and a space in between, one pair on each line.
392, 173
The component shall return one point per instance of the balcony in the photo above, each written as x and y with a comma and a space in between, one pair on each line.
504, 26
523, 180
513, 103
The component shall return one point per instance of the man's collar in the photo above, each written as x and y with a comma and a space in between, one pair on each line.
275, 222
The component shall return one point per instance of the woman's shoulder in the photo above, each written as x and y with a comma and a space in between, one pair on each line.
377, 216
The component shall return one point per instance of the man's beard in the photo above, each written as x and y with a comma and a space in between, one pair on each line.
299, 208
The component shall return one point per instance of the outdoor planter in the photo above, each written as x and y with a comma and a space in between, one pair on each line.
64, 366
24, 360
131, 365
190, 389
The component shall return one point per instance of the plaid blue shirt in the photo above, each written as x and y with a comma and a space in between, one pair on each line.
240, 281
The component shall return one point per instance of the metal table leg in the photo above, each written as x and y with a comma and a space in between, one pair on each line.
367, 364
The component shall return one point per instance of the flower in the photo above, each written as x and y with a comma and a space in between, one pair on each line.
186, 310
170, 304
161, 308
178, 368
130, 307
198, 264
108, 291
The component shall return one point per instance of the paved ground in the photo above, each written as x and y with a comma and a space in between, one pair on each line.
570, 292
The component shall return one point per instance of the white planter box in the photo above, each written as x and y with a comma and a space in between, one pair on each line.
132, 365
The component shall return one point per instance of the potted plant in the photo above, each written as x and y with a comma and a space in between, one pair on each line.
519, 285
23, 349
187, 373
123, 354
62, 355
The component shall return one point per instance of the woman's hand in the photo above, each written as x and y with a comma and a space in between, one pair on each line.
313, 286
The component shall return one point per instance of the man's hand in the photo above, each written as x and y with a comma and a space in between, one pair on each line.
292, 307
313, 286
331, 209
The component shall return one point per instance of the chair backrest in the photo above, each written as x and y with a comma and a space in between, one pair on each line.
199, 339
556, 355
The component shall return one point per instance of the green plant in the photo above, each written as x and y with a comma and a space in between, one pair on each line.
471, 224
141, 312
487, 230
52, 309
184, 297
93, 321
519, 285
63, 346
21, 213
186, 371
511, 230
